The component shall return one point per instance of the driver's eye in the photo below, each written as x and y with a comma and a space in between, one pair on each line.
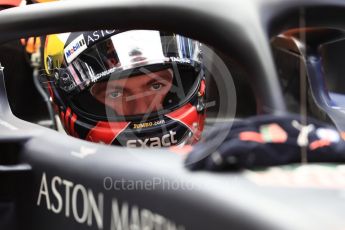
156, 86
115, 94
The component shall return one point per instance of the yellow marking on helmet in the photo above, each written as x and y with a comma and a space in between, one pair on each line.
53, 49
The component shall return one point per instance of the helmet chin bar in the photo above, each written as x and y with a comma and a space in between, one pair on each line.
181, 126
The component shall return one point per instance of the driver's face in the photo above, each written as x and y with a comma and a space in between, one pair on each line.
135, 95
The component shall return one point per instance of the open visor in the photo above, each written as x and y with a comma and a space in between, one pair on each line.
133, 72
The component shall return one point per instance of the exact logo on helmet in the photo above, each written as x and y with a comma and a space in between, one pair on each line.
166, 141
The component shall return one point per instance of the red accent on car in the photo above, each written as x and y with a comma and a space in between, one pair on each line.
106, 132
319, 144
67, 116
251, 136
73, 120
10, 2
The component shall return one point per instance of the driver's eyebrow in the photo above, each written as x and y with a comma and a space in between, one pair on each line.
161, 79
102, 88
159, 76
117, 87
97, 89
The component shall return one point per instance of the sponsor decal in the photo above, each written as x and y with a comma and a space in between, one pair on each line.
270, 133
166, 141
87, 207
180, 60
319, 144
77, 46
98, 34
251, 136
327, 137
304, 130
148, 124
328, 134
96, 77
273, 133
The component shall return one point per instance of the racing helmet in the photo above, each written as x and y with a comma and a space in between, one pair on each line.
136, 88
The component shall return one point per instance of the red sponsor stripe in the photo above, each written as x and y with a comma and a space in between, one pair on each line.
251, 136
273, 133
106, 132
319, 144
10, 2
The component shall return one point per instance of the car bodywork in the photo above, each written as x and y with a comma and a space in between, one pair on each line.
319, 51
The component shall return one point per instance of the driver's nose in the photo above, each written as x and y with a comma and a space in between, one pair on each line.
141, 106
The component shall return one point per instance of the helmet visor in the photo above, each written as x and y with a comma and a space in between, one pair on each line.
132, 73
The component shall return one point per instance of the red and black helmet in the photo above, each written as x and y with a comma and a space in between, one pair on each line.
137, 88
